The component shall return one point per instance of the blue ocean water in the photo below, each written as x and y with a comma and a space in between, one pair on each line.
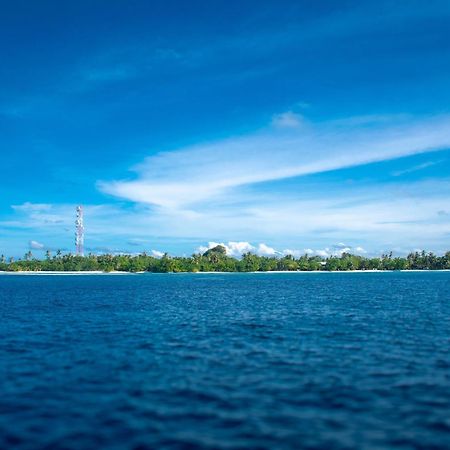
225, 361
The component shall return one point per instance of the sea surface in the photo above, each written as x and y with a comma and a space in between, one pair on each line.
225, 361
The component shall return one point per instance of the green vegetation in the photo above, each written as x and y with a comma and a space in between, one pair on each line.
216, 260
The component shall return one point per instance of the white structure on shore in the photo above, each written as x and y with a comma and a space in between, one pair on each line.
79, 231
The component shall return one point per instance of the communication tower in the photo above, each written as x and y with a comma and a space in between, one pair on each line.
79, 231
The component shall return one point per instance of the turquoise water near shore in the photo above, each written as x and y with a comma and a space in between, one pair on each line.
351, 360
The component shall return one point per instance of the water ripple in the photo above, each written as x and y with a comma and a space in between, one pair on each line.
284, 361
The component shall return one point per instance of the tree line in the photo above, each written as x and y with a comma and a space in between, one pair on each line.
216, 260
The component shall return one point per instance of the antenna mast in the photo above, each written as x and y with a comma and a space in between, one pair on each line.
79, 231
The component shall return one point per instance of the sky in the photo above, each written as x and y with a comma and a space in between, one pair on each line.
268, 126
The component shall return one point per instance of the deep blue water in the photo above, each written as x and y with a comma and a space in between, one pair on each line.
225, 361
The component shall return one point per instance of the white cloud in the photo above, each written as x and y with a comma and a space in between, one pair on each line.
237, 249
422, 166
188, 178
307, 251
32, 207
202, 249
288, 119
381, 217
334, 250
297, 253
157, 253
35, 245
265, 250
42, 213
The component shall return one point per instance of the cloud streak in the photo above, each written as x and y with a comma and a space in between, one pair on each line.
416, 168
35, 245
190, 176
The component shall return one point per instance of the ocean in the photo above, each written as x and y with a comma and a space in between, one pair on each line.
225, 361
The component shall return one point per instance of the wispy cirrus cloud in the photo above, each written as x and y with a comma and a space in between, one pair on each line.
416, 168
35, 245
190, 176
216, 191
32, 207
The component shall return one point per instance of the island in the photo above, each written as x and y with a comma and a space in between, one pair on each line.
216, 260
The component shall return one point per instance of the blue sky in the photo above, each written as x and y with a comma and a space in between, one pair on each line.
269, 126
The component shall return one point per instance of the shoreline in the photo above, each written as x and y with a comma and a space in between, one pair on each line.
99, 272
62, 272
